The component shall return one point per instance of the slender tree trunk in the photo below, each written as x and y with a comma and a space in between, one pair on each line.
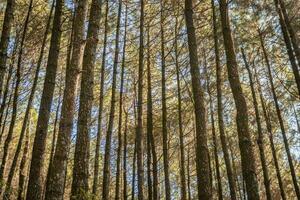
107, 155
101, 96
7, 86
179, 109
23, 172
164, 107
149, 118
7, 111
16, 94
288, 44
232, 185
202, 162
125, 158
35, 184
189, 176
6, 28
151, 146
119, 151
218, 174
279, 116
245, 144
270, 136
133, 172
260, 137
139, 129
29, 103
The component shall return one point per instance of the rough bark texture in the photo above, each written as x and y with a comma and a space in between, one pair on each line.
245, 144
35, 184
230, 176
260, 137
5, 35
202, 160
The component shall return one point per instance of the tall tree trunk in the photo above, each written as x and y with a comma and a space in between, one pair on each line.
16, 94
139, 129
7, 110
57, 170
189, 175
292, 34
35, 184
215, 144
23, 172
107, 155
202, 161
149, 118
7, 85
151, 146
260, 137
245, 144
179, 110
101, 96
288, 44
230, 176
29, 103
5, 35
119, 151
125, 156
133, 172
164, 106
270, 136
279, 116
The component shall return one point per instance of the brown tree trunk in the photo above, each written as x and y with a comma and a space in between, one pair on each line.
164, 107
107, 155
5, 35
270, 136
279, 116
245, 144
16, 94
260, 137
101, 96
288, 44
230, 176
125, 157
119, 151
179, 109
23, 172
202, 161
215, 144
57, 170
35, 184
139, 129
29, 103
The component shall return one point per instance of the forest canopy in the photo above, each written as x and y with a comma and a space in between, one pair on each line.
149, 99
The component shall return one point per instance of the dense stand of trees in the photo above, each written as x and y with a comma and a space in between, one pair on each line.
149, 99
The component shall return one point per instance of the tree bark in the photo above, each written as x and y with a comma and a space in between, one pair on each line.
288, 44
6, 29
16, 94
202, 161
35, 184
119, 150
29, 103
139, 129
245, 144
260, 137
230, 177
107, 155
280, 119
